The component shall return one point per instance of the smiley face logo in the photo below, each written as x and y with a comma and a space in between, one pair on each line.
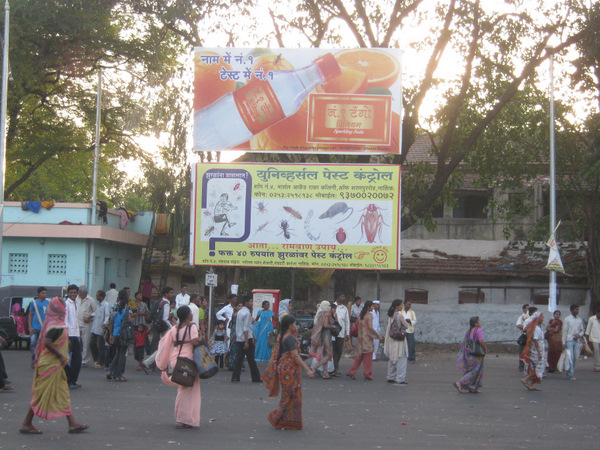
380, 256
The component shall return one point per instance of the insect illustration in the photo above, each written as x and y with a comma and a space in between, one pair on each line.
371, 223
262, 207
209, 231
340, 235
335, 209
237, 186
262, 227
207, 213
285, 229
293, 212
307, 230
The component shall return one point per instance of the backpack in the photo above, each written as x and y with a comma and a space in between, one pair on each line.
127, 333
156, 312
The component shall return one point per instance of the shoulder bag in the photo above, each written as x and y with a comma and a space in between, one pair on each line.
207, 367
337, 328
475, 347
354, 329
185, 371
397, 330
522, 340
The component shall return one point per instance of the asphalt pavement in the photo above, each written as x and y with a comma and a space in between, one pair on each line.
338, 414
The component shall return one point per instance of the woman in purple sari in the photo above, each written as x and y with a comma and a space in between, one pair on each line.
472, 366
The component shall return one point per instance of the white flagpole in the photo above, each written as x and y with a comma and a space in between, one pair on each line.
91, 256
552, 286
3, 124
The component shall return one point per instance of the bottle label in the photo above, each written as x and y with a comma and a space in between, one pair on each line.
258, 105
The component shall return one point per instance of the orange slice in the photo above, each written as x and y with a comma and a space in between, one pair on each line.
351, 81
381, 68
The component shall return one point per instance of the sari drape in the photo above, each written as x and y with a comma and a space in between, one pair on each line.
472, 366
555, 347
534, 361
261, 331
282, 369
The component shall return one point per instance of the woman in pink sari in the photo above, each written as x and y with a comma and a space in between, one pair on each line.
184, 336
20, 319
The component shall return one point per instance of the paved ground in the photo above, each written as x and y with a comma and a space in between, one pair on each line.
338, 414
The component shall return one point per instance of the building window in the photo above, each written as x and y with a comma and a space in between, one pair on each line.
127, 267
473, 205
417, 296
470, 296
541, 298
18, 262
57, 264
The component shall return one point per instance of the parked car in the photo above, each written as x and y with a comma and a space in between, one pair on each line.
9, 295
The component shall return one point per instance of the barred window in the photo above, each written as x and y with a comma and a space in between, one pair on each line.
57, 264
18, 262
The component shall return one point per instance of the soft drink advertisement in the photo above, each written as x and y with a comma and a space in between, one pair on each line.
296, 215
297, 100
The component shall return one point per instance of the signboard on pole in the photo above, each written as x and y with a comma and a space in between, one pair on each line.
297, 100
296, 215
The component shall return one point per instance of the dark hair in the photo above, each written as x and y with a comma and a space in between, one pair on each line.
267, 302
113, 285
532, 310
240, 301
193, 297
525, 306
473, 321
136, 294
393, 307
182, 313
72, 286
365, 309
338, 295
184, 285
41, 288
231, 296
286, 322
101, 293
557, 311
573, 306
166, 290
357, 298
122, 296
220, 322
126, 287
333, 305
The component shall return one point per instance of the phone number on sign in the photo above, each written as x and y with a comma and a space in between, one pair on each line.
367, 195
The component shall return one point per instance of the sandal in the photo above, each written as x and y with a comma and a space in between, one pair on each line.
7, 388
30, 430
181, 426
351, 376
456, 384
473, 391
78, 429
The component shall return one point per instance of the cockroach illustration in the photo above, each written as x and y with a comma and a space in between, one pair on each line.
262, 207
285, 229
335, 209
340, 235
237, 186
209, 231
371, 223
262, 227
307, 230
293, 212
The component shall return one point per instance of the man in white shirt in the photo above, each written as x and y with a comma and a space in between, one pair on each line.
72, 369
343, 318
99, 324
183, 298
520, 321
356, 309
111, 295
245, 342
572, 333
411, 318
376, 326
226, 313
592, 334
86, 308
195, 309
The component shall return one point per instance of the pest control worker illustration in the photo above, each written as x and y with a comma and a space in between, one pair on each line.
222, 207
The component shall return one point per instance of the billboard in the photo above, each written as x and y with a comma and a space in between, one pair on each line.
331, 216
297, 100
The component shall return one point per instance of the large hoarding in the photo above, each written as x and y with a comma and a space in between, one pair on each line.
297, 100
333, 216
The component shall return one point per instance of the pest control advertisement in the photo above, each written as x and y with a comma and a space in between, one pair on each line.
297, 100
331, 216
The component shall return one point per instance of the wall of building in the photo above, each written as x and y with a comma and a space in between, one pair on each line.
117, 263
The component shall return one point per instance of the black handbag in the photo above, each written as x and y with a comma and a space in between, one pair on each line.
522, 340
476, 349
337, 329
185, 372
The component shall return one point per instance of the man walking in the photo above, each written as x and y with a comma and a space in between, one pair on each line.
571, 336
245, 342
520, 323
343, 318
376, 326
86, 308
99, 324
36, 317
592, 334
72, 369
411, 319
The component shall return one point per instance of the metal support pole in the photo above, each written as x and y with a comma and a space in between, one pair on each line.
3, 101
92, 218
552, 286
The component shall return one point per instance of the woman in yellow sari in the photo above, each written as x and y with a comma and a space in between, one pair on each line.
50, 394
285, 367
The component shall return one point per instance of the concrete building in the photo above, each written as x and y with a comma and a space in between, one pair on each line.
53, 246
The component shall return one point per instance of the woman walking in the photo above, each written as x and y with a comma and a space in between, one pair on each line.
183, 337
50, 392
554, 336
533, 354
365, 347
285, 368
396, 351
320, 339
117, 317
262, 326
471, 365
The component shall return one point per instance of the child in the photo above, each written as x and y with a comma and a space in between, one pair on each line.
140, 345
219, 343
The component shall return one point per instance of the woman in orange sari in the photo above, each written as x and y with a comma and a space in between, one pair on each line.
285, 368
554, 337
50, 392
533, 354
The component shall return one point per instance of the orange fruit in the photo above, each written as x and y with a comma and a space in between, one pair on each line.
351, 81
381, 68
270, 63
208, 85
